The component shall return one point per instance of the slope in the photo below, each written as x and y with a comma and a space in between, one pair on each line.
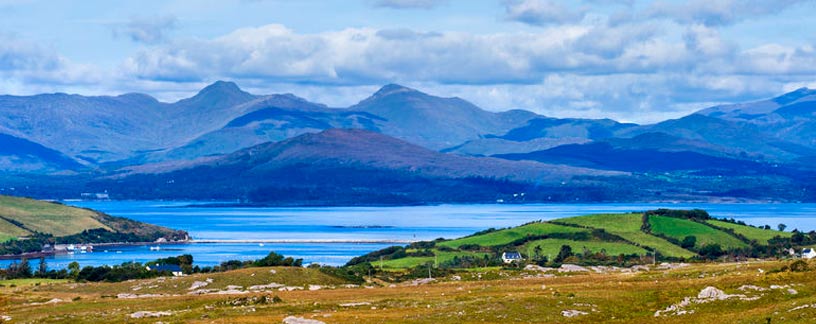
617, 239
435, 122
25, 217
19, 155
350, 163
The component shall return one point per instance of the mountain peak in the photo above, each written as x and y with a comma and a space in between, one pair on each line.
794, 95
219, 94
221, 87
392, 88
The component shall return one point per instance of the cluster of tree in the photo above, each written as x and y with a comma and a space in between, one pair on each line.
693, 214
587, 257
136, 270
32, 243
36, 241
101, 235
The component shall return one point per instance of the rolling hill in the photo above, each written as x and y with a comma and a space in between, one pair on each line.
434, 122
41, 222
352, 166
19, 155
593, 239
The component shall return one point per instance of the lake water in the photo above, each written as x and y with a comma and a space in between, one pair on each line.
339, 227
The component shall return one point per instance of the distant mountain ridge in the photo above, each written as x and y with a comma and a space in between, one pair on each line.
342, 163
760, 147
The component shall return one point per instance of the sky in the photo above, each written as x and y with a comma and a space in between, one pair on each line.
629, 60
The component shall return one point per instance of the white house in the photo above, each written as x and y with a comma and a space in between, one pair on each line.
510, 257
808, 253
172, 268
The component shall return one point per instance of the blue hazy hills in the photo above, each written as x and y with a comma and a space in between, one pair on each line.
399, 145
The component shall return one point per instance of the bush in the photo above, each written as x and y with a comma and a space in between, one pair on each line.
688, 242
711, 251
563, 254
798, 266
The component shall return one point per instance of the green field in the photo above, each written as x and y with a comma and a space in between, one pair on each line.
410, 262
680, 228
627, 226
509, 235
550, 247
22, 216
44, 217
614, 234
752, 233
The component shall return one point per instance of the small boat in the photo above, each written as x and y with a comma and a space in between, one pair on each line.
260, 244
155, 248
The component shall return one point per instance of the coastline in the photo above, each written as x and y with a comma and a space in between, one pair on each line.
34, 255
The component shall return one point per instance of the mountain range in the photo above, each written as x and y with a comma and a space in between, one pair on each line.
398, 145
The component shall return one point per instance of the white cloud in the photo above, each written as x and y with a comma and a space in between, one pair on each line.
26, 64
407, 4
635, 72
717, 12
149, 30
542, 12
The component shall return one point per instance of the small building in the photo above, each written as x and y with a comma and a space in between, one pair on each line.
510, 257
808, 253
172, 268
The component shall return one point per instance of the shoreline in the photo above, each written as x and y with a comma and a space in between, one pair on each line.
35, 255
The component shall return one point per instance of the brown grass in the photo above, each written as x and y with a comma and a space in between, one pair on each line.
517, 297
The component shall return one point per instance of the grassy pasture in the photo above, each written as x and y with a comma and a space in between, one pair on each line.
680, 228
550, 247
752, 233
509, 235
44, 217
627, 226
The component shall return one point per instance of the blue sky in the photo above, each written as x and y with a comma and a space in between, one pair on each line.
630, 60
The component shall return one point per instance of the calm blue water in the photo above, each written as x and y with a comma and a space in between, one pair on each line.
362, 223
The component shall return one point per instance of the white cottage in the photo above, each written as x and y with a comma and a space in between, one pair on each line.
510, 257
808, 253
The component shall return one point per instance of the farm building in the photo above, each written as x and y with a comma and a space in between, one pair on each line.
510, 257
172, 268
808, 253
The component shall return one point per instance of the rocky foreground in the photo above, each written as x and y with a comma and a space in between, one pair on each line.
750, 292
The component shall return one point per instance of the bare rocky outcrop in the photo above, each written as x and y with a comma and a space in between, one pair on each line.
671, 266
535, 267
145, 314
354, 304
706, 295
199, 284
572, 313
422, 281
269, 286
572, 268
300, 320
134, 296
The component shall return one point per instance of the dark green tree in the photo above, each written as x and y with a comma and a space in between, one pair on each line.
43, 268
711, 251
73, 269
564, 253
688, 242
